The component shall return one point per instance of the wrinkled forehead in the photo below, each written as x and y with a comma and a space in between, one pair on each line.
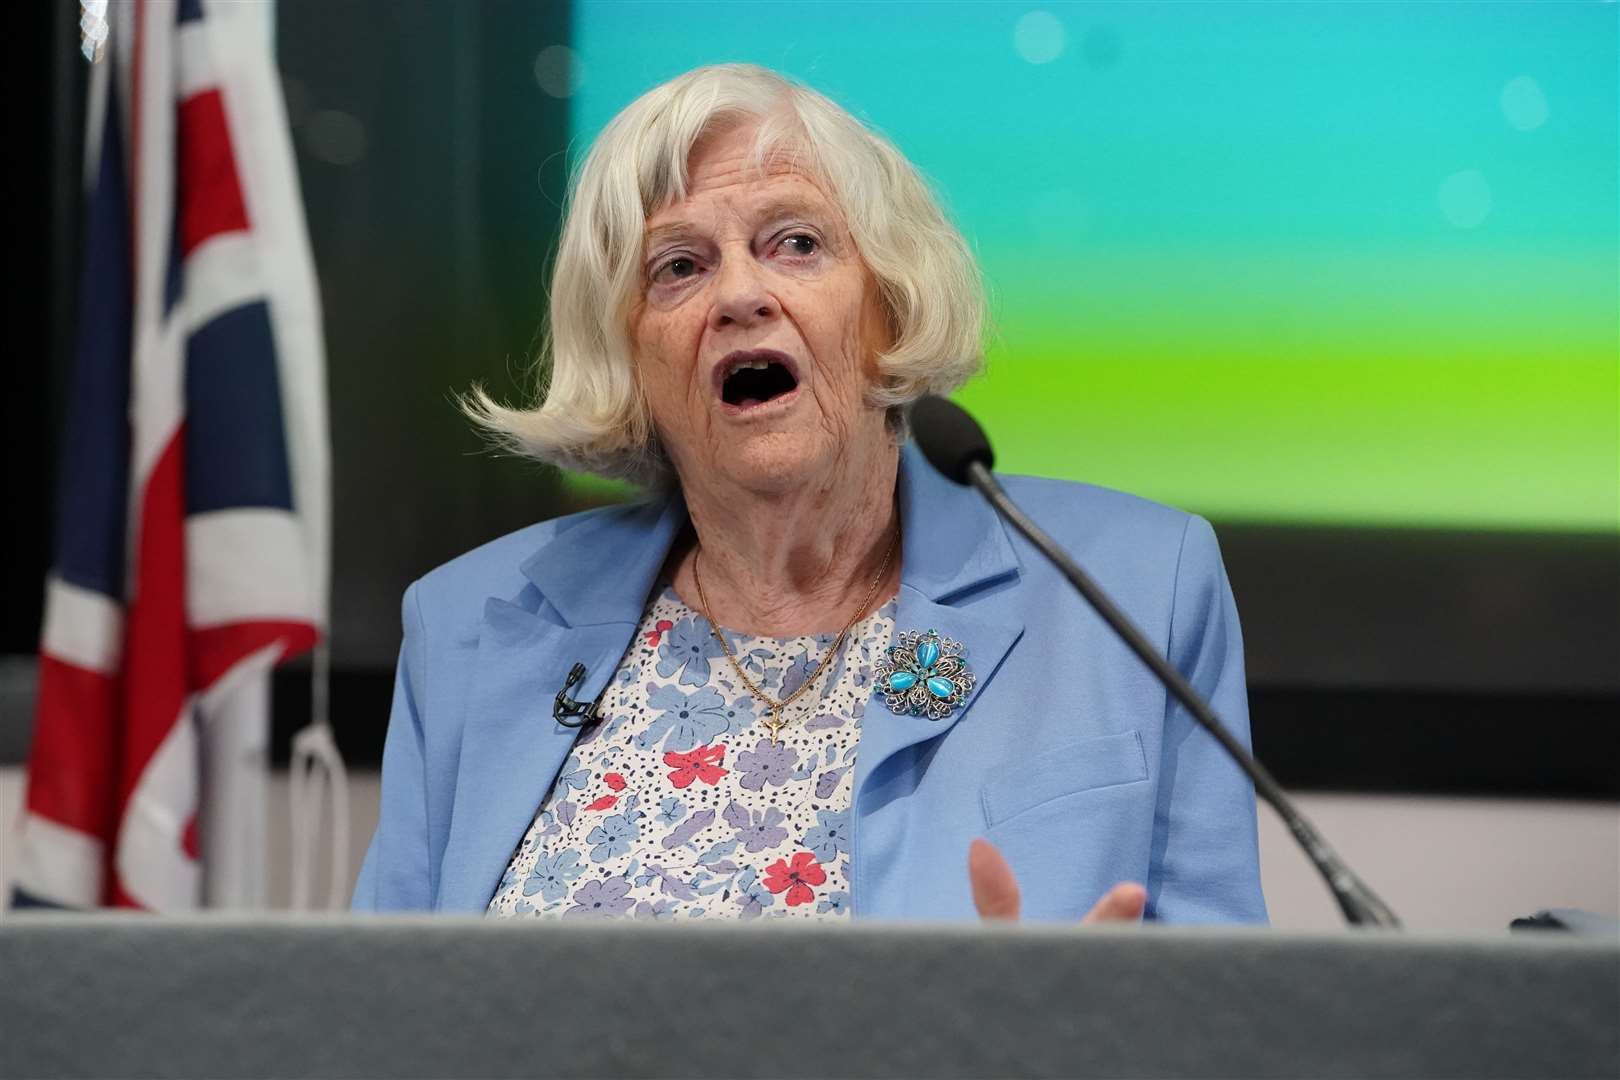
750, 161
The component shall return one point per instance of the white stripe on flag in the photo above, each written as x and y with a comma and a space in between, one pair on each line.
58, 865
246, 565
194, 67
82, 627
151, 859
157, 373
222, 274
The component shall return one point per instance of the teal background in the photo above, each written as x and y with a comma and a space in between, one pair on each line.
1291, 262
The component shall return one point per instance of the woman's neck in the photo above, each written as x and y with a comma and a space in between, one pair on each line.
796, 562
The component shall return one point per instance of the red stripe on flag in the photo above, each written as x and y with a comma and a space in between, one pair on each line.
76, 743
116, 896
155, 669
216, 649
209, 192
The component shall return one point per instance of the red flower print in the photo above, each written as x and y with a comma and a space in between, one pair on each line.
797, 878
701, 764
603, 803
614, 781
655, 636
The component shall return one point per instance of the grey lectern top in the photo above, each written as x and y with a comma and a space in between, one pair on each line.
373, 996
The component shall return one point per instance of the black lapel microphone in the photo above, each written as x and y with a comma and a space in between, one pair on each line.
568, 712
955, 444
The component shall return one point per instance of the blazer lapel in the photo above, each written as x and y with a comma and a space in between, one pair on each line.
587, 590
954, 548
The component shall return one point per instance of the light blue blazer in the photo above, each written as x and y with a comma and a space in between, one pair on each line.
1067, 756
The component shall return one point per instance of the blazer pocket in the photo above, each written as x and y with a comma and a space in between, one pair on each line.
1084, 765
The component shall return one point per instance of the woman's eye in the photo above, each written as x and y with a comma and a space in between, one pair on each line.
801, 244
675, 269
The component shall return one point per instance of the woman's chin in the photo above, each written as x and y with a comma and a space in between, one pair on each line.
775, 460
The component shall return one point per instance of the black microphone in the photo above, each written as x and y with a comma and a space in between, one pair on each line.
570, 713
955, 444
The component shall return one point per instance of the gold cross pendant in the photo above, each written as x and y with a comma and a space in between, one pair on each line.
775, 724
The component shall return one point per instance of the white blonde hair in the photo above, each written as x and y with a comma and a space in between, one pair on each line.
591, 415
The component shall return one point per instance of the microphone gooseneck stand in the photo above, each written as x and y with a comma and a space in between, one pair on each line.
955, 445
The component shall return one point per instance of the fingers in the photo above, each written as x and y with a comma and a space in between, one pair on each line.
1125, 902
995, 890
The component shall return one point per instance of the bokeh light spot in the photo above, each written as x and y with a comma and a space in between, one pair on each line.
1039, 37
558, 71
1523, 104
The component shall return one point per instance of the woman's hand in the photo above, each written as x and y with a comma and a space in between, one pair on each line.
995, 891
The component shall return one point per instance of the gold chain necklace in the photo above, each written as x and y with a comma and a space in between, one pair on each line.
775, 722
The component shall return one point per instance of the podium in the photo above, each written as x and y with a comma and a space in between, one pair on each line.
372, 996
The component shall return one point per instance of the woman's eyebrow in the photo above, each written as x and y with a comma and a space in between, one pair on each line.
774, 210
673, 231
780, 208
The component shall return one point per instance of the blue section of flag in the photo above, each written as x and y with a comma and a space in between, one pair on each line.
236, 448
174, 270
22, 899
190, 11
93, 488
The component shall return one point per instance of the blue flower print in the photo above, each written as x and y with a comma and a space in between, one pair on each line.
548, 825
578, 778
670, 811
754, 661
687, 829
657, 910
834, 902
611, 728
690, 646
797, 671
766, 764
670, 885
760, 833
752, 896
827, 782
830, 681
612, 837
601, 898
552, 876
740, 713
828, 836
687, 719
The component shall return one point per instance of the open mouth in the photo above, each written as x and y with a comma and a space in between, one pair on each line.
756, 377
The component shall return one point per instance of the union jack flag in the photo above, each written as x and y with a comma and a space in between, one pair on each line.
191, 542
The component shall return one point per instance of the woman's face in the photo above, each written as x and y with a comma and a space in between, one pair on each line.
757, 326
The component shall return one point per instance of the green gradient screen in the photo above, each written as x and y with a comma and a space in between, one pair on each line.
1298, 263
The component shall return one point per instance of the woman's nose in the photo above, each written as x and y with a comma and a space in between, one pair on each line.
741, 298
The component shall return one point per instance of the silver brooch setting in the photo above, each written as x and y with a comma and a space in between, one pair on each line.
924, 675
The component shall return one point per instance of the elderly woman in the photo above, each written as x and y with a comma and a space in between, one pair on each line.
827, 682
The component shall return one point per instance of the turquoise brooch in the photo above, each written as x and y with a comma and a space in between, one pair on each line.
924, 675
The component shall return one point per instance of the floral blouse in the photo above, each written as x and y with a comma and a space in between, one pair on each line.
675, 804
